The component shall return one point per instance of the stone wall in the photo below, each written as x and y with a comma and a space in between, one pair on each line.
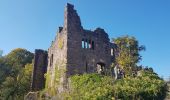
77, 50
85, 59
39, 69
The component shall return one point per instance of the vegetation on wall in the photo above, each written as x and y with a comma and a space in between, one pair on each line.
60, 43
90, 87
53, 83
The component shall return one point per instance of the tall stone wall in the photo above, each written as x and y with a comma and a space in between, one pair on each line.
67, 51
85, 59
39, 69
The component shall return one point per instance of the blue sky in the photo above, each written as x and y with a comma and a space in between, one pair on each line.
32, 24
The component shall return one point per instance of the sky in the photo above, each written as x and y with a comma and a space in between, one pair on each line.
32, 24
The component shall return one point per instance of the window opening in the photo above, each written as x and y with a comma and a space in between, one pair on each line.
51, 60
86, 44
90, 44
111, 51
100, 68
82, 43
93, 45
86, 67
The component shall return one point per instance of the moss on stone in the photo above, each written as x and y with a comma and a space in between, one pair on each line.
60, 43
59, 73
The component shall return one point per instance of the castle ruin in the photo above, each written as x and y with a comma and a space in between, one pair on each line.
74, 50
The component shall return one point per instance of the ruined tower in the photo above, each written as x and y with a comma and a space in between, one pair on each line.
39, 69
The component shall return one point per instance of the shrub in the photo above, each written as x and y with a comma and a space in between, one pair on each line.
90, 87
147, 86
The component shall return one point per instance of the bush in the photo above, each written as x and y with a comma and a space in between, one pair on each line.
90, 87
147, 86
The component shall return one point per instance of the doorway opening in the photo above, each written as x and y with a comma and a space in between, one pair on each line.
100, 68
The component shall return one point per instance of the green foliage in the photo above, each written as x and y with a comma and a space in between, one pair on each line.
16, 70
90, 87
60, 43
168, 92
4, 69
47, 77
128, 52
1, 52
16, 74
19, 57
12, 63
51, 89
147, 86
17, 87
24, 79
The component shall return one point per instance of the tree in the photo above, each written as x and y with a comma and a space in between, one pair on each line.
16, 71
16, 88
19, 57
127, 52
1, 52
4, 69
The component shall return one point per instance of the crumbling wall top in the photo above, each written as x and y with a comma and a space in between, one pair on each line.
70, 6
72, 20
101, 32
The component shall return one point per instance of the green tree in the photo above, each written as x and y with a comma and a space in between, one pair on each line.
19, 57
127, 52
16, 74
16, 88
1, 52
4, 69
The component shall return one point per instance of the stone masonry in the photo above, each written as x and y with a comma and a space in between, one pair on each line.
80, 50
76, 50
39, 69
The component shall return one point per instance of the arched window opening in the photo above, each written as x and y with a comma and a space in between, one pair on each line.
51, 60
100, 68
